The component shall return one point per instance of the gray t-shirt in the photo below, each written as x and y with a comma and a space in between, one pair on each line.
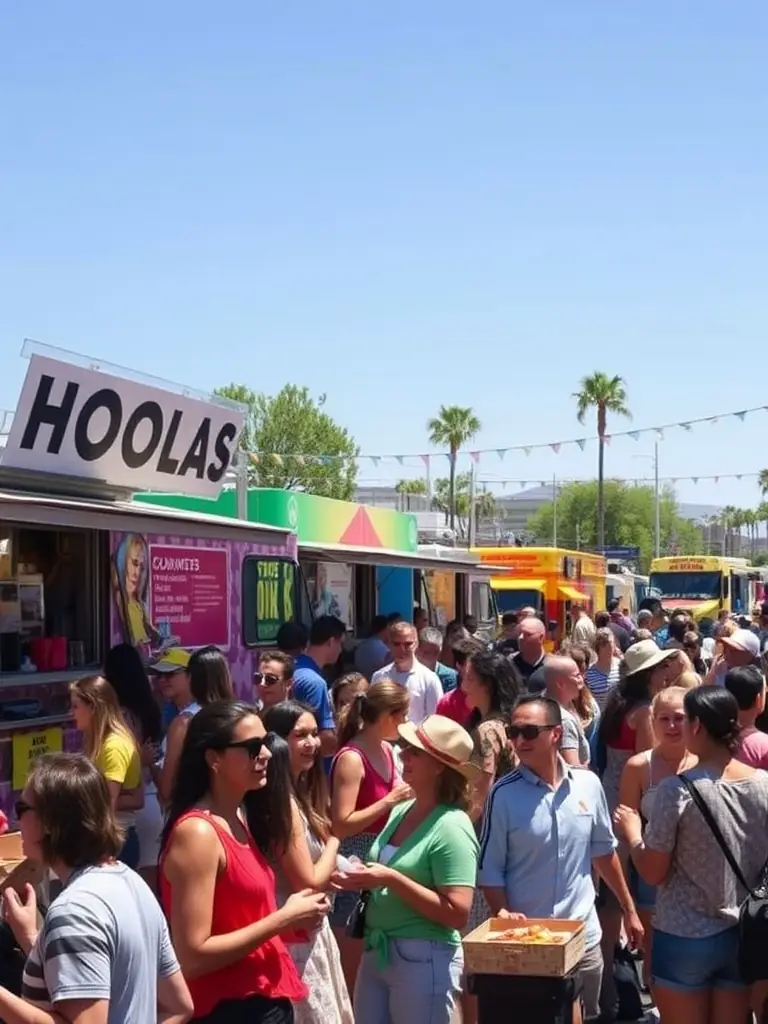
701, 896
573, 737
104, 937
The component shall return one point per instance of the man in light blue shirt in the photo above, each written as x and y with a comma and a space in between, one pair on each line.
547, 825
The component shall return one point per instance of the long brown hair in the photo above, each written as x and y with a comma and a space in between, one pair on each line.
310, 789
106, 716
384, 698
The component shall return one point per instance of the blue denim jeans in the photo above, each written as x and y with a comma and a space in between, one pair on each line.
421, 984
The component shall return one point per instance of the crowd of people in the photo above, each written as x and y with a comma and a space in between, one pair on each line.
317, 853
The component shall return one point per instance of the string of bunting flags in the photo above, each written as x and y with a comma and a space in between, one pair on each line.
659, 432
558, 482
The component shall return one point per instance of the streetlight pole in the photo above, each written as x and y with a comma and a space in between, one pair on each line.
657, 499
554, 511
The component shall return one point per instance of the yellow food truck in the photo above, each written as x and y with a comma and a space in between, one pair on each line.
551, 580
705, 584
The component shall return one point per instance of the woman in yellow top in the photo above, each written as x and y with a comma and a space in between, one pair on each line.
110, 744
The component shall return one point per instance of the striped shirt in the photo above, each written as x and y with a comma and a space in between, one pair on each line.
601, 683
104, 937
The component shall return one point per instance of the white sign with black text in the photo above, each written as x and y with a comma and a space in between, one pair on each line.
79, 422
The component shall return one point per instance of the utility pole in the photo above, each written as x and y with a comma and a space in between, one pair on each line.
554, 511
472, 529
658, 499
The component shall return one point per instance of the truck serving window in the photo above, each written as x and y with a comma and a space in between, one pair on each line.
269, 598
692, 586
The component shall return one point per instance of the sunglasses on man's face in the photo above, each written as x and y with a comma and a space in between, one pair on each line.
527, 732
266, 678
252, 747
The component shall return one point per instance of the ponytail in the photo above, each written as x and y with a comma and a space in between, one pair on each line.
384, 698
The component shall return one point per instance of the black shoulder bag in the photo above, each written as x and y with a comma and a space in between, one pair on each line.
753, 915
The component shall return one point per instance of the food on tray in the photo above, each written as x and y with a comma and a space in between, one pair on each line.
535, 934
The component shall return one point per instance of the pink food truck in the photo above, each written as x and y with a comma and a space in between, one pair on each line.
83, 567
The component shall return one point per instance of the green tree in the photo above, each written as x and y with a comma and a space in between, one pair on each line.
485, 503
298, 445
762, 515
629, 519
452, 428
762, 481
605, 394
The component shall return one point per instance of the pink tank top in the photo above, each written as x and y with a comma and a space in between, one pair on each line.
373, 787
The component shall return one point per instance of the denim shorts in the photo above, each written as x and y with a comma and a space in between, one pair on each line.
693, 965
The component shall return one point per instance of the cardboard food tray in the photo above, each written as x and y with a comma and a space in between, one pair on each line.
15, 870
529, 959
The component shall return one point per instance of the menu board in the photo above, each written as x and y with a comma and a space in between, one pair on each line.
189, 594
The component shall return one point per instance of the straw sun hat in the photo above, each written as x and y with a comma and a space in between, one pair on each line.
444, 740
644, 654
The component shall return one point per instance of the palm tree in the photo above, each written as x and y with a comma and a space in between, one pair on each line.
606, 394
762, 481
728, 517
452, 428
762, 515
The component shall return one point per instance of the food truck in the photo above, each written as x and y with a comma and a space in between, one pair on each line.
706, 584
551, 580
358, 560
83, 566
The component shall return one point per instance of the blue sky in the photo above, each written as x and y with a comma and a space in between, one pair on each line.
403, 205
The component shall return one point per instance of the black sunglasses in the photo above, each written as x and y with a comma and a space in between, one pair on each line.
251, 747
267, 678
528, 732
21, 807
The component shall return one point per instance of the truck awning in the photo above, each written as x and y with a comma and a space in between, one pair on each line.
572, 594
130, 517
353, 554
521, 584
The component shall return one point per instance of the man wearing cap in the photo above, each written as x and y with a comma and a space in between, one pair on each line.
172, 669
742, 647
546, 827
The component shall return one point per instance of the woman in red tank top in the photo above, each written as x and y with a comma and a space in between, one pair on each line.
217, 889
364, 789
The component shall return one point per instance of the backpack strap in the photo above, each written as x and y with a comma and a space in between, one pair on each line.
714, 828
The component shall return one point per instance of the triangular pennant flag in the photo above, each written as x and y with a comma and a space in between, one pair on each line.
543, 483
374, 459
449, 456
685, 426
741, 414
527, 451
523, 483
399, 460
713, 419
581, 442
277, 459
674, 479
503, 485
425, 460
738, 476
634, 434
555, 447
660, 433
254, 458
607, 438
501, 452
475, 456
695, 479
717, 479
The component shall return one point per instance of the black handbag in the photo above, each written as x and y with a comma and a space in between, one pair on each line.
627, 985
753, 915
355, 927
